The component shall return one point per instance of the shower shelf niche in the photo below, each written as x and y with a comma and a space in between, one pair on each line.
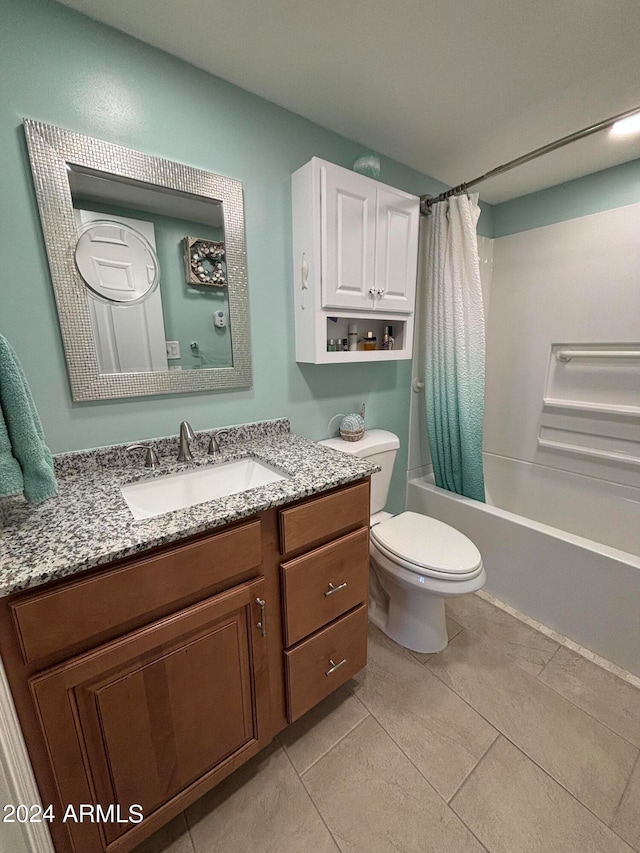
591, 406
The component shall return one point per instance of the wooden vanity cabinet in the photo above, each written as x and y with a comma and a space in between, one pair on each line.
147, 682
324, 594
141, 685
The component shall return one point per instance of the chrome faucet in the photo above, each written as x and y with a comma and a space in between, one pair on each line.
214, 442
150, 457
186, 435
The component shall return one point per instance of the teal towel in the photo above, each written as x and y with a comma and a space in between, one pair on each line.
26, 464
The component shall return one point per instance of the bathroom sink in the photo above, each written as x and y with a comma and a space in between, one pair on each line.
149, 498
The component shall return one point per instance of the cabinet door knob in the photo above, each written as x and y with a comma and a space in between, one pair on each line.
372, 293
335, 666
380, 292
333, 588
261, 624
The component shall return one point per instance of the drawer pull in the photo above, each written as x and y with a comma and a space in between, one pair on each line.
335, 666
333, 588
261, 624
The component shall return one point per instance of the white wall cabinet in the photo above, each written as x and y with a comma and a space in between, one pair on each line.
355, 252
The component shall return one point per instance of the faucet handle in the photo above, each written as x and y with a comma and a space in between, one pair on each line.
214, 441
150, 457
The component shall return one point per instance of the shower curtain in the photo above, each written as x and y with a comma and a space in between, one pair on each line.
454, 346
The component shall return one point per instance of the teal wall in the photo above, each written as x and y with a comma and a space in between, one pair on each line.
61, 68
605, 190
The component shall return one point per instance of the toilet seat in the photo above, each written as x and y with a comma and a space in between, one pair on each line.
426, 546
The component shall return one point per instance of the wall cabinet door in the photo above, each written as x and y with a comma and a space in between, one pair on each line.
348, 226
160, 715
369, 243
397, 223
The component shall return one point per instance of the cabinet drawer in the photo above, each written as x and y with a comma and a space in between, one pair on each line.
324, 517
323, 584
320, 664
61, 619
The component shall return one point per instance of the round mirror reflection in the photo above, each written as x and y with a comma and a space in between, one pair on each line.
116, 262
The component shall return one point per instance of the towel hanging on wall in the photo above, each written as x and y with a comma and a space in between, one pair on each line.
26, 464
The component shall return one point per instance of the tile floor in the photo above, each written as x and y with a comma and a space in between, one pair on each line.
506, 742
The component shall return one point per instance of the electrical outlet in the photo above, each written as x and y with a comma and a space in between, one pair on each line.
173, 349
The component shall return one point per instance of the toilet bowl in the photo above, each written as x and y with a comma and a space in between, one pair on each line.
416, 561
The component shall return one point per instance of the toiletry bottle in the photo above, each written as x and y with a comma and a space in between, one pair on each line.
353, 337
370, 341
387, 339
331, 345
345, 345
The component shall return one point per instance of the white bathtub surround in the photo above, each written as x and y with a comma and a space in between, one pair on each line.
599, 510
571, 286
455, 345
582, 589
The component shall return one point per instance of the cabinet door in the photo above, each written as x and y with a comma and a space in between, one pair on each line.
348, 228
396, 257
159, 716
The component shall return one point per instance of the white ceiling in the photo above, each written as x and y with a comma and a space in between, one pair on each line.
450, 87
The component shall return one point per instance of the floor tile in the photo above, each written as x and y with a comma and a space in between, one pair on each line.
172, 838
375, 801
263, 806
438, 732
627, 820
528, 647
453, 629
310, 737
510, 804
587, 758
614, 702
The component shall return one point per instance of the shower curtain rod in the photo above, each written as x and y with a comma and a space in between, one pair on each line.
427, 200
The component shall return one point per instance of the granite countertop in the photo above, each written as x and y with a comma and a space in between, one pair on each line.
89, 523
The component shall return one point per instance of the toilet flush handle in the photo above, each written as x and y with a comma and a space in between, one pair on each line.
333, 588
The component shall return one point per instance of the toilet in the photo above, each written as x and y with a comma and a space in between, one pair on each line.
416, 561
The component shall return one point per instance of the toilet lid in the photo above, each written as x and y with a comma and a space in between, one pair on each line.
427, 543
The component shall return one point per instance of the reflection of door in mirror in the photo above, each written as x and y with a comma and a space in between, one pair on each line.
129, 338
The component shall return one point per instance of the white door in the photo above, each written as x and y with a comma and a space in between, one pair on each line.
397, 220
348, 229
129, 338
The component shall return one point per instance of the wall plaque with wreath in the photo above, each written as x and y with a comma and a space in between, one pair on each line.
205, 262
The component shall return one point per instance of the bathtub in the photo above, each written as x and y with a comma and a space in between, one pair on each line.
562, 548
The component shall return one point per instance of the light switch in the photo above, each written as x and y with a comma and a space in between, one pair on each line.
173, 349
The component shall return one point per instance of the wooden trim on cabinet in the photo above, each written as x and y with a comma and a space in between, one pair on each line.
84, 737
88, 610
309, 602
319, 519
321, 663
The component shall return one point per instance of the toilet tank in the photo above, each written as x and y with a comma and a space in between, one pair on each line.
380, 447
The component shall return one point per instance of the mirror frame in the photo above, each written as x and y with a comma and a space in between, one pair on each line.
51, 149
